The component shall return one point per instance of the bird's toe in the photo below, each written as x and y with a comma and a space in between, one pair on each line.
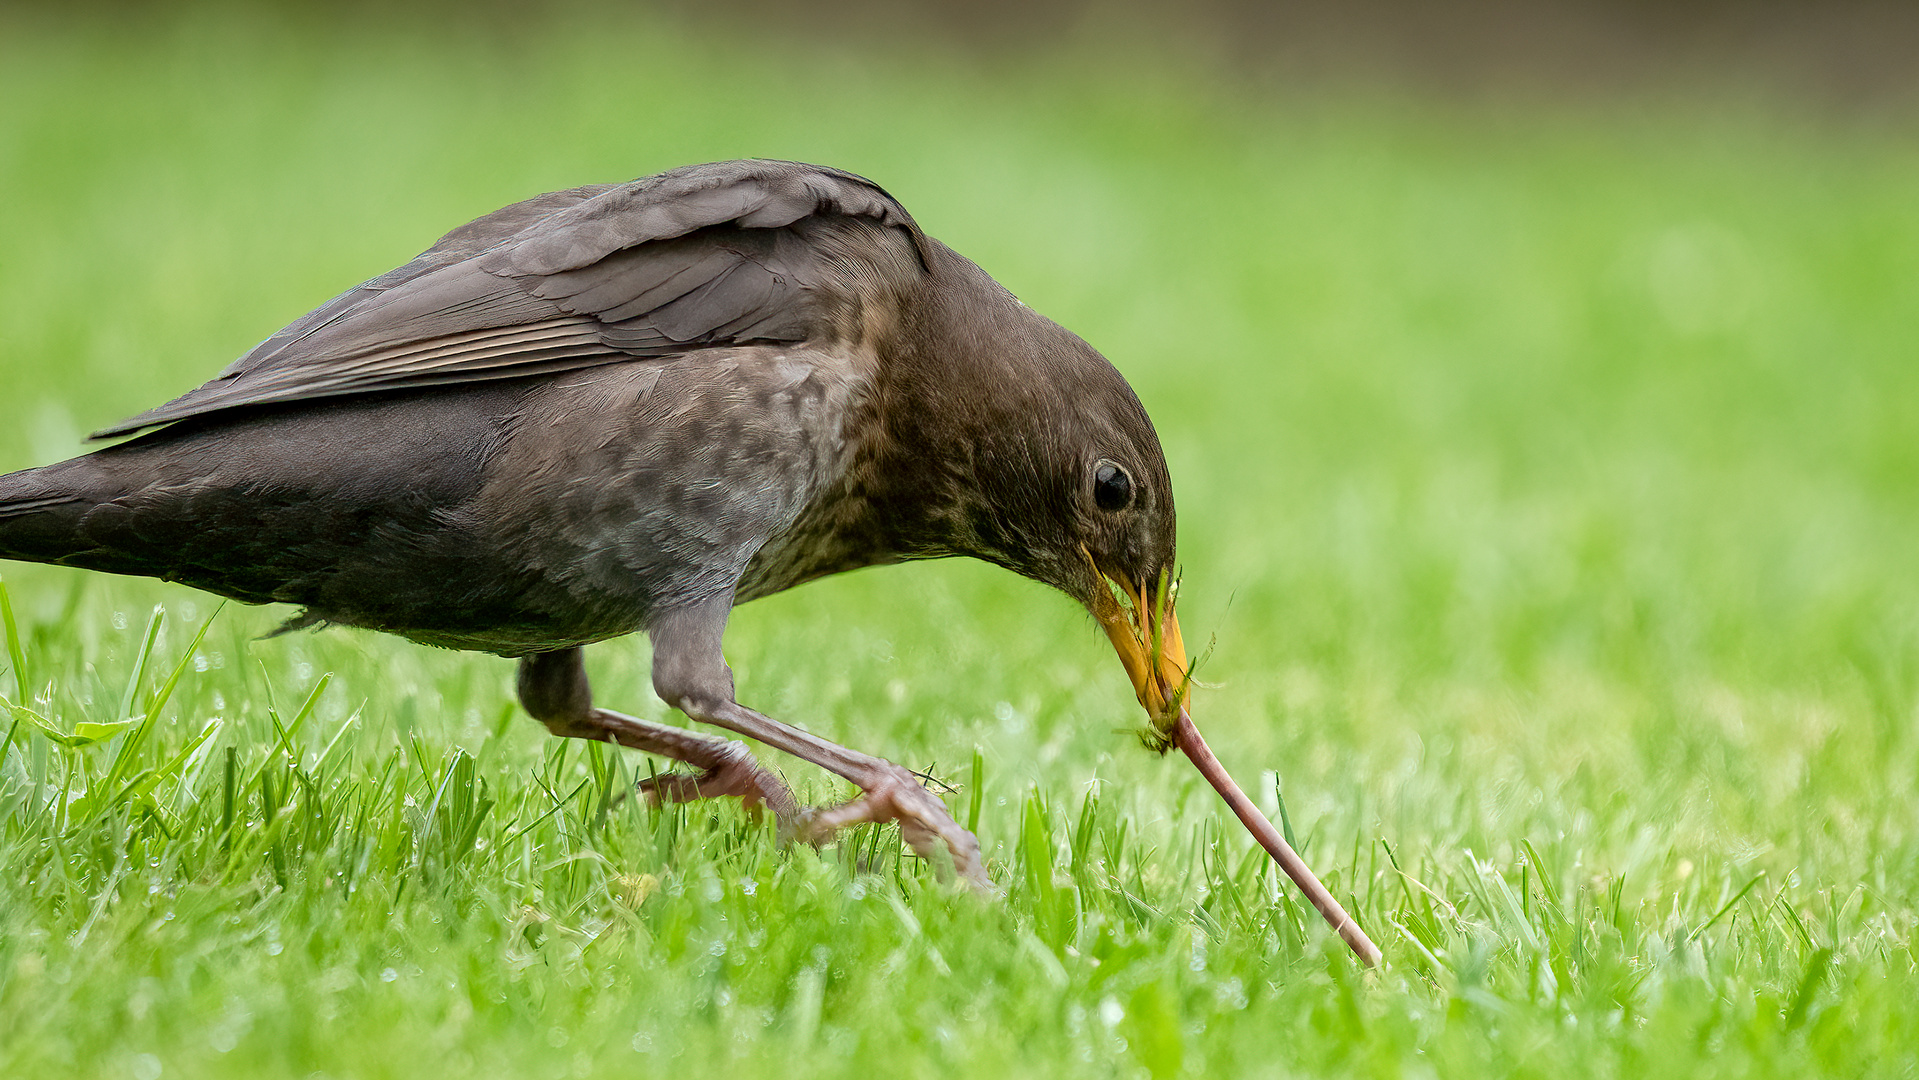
739, 776
925, 824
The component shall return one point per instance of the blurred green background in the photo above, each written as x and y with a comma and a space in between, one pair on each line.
1538, 386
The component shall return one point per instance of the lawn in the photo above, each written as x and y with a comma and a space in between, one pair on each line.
1548, 483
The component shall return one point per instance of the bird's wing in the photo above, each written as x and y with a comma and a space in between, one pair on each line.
707, 255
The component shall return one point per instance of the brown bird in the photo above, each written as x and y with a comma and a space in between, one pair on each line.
630, 407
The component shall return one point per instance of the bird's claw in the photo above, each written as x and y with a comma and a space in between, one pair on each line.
738, 775
924, 824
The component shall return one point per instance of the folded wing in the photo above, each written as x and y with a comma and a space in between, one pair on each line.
708, 255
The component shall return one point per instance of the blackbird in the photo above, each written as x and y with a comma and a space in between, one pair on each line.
630, 407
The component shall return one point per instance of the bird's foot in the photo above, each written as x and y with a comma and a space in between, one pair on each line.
897, 795
736, 774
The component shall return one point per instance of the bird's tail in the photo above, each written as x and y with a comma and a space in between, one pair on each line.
41, 515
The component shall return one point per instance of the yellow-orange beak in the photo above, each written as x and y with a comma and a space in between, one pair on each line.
1145, 632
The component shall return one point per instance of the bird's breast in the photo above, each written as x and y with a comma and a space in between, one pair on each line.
637, 486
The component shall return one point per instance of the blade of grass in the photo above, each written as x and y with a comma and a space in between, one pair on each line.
173, 765
138, 735
976, 795
292, 730
558, 804
1545, 883
1792, 913
7, 743
1717, 915
1808, 987
140, 661
351, 719
15, 651
1285, 819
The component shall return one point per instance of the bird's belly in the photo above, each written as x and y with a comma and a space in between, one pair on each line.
472, 604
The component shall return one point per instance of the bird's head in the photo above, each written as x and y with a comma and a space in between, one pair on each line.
1032, 452
1111, 543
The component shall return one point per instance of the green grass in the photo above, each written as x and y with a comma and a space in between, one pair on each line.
1547, 475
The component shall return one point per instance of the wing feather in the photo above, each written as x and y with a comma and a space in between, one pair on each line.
707, 255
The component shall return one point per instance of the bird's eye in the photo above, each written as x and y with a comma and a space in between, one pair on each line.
1112, 488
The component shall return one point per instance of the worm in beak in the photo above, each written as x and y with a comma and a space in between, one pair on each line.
1145, 632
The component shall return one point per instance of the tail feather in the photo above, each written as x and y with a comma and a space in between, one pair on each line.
121, 512
41, 512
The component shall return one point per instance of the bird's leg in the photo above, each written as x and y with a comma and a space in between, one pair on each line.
690, 674
554, 689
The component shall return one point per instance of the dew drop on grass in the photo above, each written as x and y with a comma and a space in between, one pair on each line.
388, 975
